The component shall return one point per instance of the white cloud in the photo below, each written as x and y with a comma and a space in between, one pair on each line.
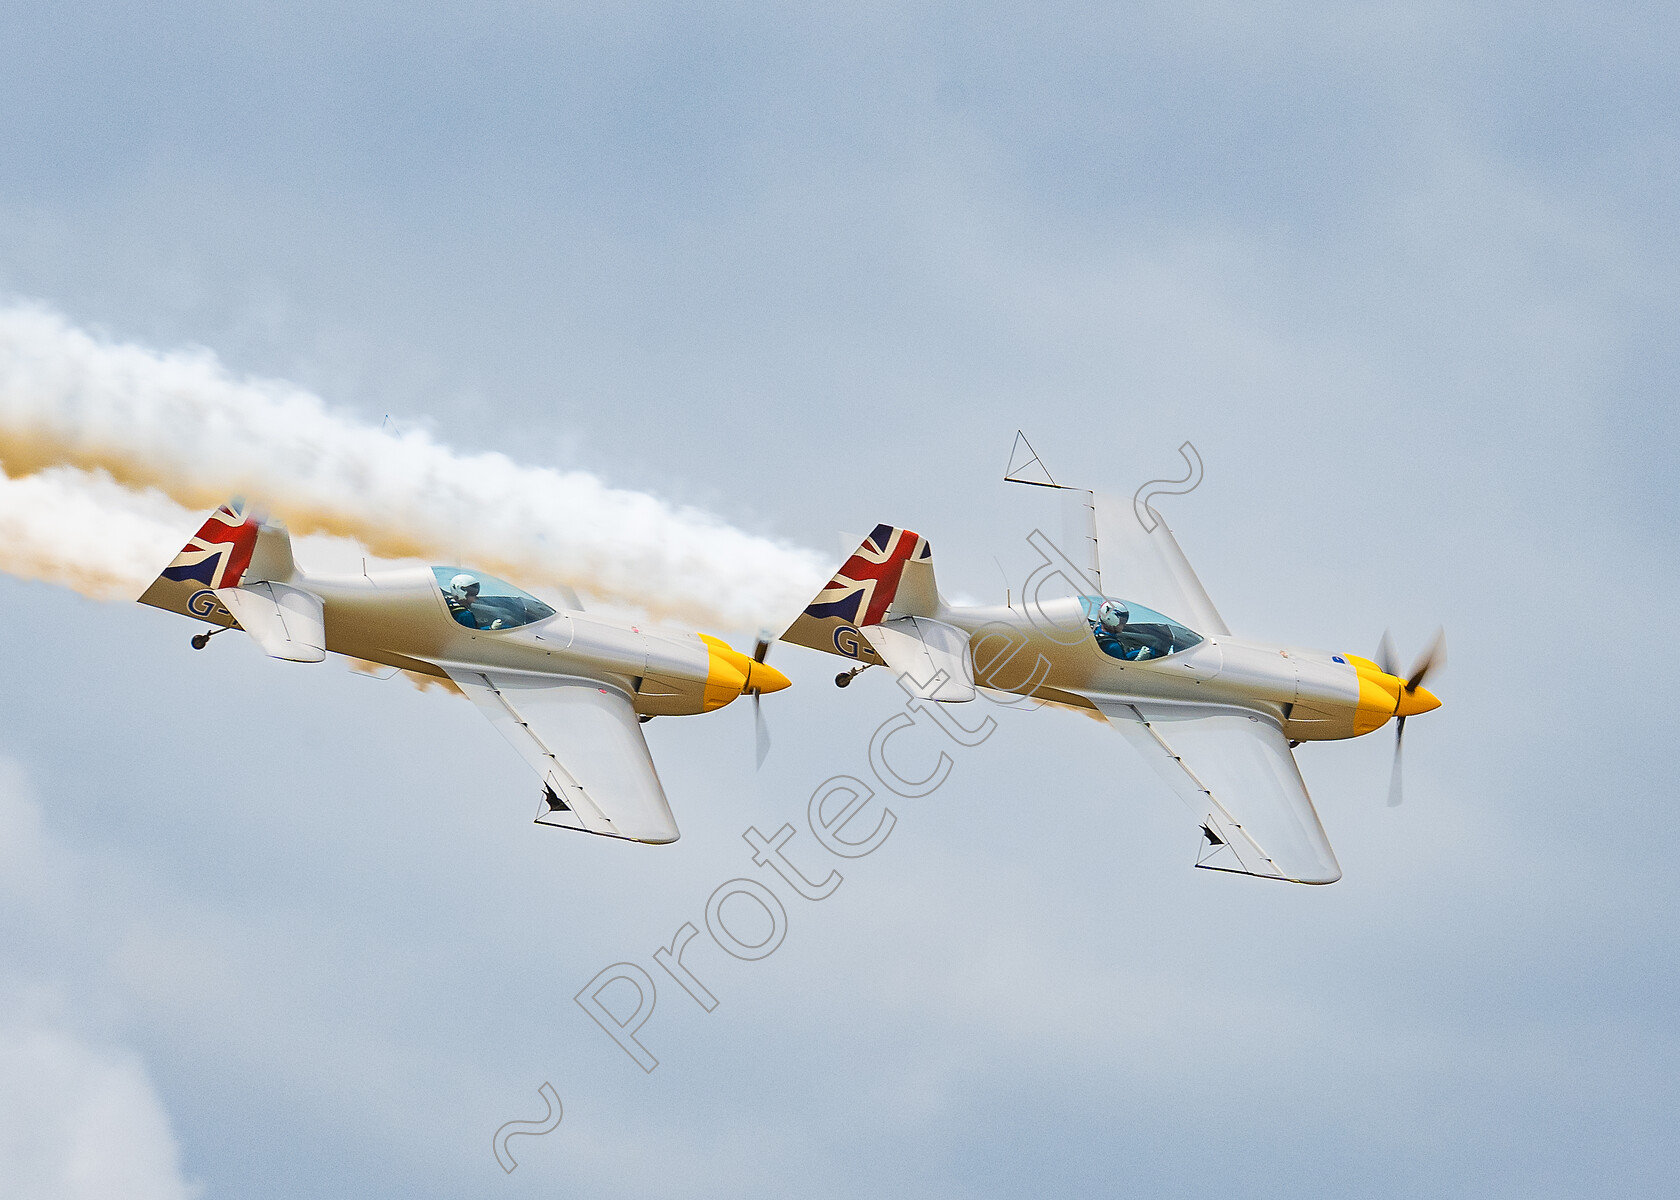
79, 1117
78, 1120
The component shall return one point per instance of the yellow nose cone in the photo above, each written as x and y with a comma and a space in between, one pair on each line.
731, 673
763, 677
1418, 700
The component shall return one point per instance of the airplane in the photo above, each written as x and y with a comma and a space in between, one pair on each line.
568, 689
1216, 715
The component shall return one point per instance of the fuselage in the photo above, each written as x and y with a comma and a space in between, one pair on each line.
405, 619
1052, 652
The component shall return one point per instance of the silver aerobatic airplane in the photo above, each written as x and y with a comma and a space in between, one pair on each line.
568, 689
1216, 715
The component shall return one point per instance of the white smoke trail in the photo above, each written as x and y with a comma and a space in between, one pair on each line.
84, 530
130, 419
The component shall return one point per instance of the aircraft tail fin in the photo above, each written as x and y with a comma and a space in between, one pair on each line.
890, 574
234, 546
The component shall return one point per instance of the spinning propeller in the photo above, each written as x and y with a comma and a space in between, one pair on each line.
1414, 698
761, 731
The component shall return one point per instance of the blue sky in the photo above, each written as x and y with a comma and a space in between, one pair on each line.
1404, 276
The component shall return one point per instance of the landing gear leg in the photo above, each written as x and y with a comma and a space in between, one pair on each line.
844, 679
201, 640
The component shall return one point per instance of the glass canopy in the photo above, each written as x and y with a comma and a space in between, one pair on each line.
1132, 632
481, 601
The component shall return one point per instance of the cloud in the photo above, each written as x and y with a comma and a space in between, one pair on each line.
78, 1120
79, 1117
142, 422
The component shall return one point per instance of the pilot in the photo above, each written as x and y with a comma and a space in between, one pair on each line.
462, 591
1110, 624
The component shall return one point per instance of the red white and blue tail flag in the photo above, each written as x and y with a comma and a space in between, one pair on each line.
216, 557
891, 570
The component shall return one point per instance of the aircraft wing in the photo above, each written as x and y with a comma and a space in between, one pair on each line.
583, 738
1140, 560
1235, 771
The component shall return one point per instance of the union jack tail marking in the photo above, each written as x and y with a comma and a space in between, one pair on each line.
863, 588
218, 556
220, 551
861, 592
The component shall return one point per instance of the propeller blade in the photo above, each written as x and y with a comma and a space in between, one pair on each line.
761, 731
1385, 655
1431, 659
1394, 776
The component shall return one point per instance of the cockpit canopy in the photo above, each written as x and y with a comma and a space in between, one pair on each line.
1132, 632
481, 601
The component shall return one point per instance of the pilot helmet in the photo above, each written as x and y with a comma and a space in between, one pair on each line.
1112, 617
465, 586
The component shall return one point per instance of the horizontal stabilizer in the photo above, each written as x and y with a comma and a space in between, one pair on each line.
931, 657
284, 620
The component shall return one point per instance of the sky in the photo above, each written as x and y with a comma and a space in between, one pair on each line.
1404, 276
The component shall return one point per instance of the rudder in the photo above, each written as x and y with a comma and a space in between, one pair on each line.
235, 545
891, 572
